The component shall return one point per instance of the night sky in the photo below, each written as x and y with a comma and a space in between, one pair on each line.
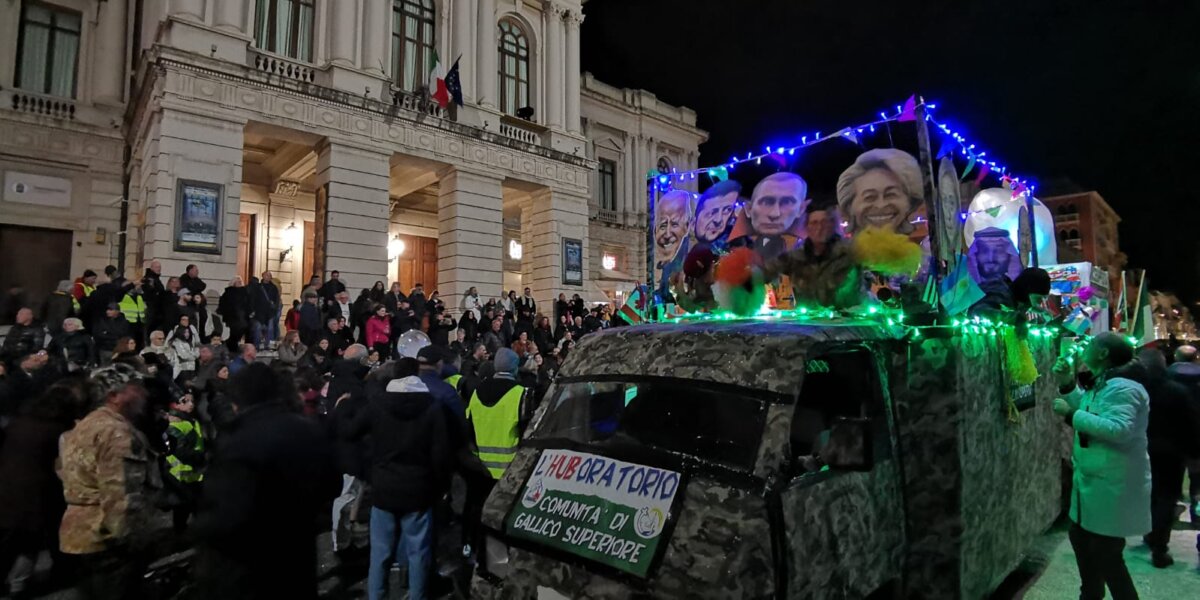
1104, 93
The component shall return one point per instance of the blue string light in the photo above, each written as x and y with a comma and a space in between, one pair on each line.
965, 148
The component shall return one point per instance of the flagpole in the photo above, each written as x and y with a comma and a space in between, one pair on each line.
1137, 307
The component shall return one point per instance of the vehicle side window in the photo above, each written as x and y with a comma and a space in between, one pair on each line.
838, 384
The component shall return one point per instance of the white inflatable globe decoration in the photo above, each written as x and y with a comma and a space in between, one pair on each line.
411, 342
996, 207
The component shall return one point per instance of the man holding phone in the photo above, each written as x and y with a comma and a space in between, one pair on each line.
1110, 496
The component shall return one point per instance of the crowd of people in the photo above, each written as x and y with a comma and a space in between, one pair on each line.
130, 399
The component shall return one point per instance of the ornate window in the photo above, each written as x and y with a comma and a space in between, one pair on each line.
49, 49
514, 67
607, 187
664, 165
285, 27
412, 43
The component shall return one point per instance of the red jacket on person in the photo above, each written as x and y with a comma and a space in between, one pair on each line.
379, 330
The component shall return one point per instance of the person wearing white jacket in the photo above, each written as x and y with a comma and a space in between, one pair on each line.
1110, 496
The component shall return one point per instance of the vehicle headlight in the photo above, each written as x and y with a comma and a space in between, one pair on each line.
495, 557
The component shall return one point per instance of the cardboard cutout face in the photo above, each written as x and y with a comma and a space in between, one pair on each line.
671, 221
993, 257
714, 218
883, 188
776, 204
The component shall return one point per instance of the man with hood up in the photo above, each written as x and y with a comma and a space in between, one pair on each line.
410, 454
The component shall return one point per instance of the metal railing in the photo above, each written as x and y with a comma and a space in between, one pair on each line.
522, 130
417, 102
283, 67
38, 104
608, 216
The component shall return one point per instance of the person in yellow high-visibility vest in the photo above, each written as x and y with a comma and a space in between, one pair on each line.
133, 306
496, 415
185, 457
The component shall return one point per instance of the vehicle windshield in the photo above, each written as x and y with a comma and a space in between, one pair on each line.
675, 415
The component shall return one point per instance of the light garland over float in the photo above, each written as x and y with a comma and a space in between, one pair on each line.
733, 282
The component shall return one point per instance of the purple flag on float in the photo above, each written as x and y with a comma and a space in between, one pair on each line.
910, 110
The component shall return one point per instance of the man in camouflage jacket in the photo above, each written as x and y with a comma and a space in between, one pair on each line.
109, 476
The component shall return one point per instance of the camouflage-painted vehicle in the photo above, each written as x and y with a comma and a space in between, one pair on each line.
772, 459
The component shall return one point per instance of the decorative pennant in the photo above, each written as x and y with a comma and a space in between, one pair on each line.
849, 135
947, 146
1018, 189
967, 170
983, 172
910, 110
718, 174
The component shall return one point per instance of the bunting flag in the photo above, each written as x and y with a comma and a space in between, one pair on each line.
959, 291
634, 310
718, 174
849, 135
967, 170
909, 113
983, 172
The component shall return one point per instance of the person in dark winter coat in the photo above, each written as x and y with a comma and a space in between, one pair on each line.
410, 456
440, 326
543, 337
311, 322
1172, 438
330, 289
265, 304
153, 291
234, 308
347, 398
108, 330
24, 337
271, 475
190, 280
31, 498
74, 346
470, 325
58, 307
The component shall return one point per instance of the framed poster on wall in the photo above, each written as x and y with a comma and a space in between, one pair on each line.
199, 207
572, 273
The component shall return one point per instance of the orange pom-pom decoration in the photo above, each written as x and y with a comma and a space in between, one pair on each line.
736, 268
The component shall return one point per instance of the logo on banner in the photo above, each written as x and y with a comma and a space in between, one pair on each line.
534, 494
649, 522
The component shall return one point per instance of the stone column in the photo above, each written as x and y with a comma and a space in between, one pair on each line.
556, 216
554, 66
356, 232
110, 53
488, 85
527, 242
377, 16
574, 19
184, 145
188, 9
341, 32
470, 236
464, 14
231, 15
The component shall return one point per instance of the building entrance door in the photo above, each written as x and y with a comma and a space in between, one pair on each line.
418, 263
245, 253
34, 259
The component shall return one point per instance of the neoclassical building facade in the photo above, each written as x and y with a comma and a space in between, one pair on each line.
298, 136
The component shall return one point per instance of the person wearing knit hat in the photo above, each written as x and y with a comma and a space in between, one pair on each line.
506, 362
109, 477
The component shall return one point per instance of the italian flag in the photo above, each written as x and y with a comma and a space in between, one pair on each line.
437, 77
